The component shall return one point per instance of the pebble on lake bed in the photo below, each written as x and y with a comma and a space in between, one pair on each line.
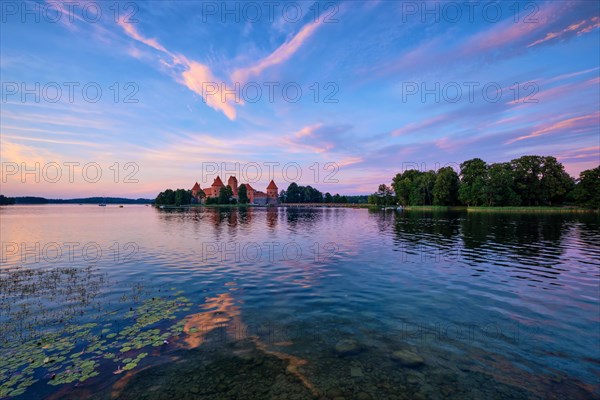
346, 347
408, 358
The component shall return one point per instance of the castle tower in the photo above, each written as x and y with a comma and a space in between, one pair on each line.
233, 184
216, 186
250, 192
272, 190
195, 191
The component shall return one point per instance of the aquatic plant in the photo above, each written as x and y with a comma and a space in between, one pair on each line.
74, 353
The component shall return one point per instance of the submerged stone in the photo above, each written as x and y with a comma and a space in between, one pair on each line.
346, 347
408, 358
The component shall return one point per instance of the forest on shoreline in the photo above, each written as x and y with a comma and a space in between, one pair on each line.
528, 181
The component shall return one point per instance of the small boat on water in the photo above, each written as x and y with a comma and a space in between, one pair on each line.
120, 206
102, 204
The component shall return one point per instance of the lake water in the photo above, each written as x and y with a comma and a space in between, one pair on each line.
297, 303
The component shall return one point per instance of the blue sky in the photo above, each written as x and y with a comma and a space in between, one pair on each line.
399, 84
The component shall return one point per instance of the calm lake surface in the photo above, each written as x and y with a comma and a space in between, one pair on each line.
297, 303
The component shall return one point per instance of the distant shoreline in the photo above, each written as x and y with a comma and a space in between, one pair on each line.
31, 200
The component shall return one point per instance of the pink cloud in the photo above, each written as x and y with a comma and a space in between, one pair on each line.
196, 76
579, 159
502, 40
280, 55
579, 28
133, 33
308, 130
415, 127
583, 121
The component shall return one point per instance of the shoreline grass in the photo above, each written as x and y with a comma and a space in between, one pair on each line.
520, 209
435, 208
534, 209
330, 205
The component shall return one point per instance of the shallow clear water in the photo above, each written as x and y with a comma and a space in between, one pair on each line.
134, 302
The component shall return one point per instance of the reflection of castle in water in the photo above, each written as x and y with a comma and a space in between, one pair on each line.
254, 196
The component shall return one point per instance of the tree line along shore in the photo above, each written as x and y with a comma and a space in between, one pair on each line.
529, 182
294, 194
533, 183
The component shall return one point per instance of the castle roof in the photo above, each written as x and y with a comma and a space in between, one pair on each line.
272, 185
248, 187
196, 186
232, 178
218, 182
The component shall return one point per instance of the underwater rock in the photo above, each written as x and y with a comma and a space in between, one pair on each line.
346, 347
408, 358
333, 393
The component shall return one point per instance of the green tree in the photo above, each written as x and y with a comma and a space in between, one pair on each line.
587, 191
201, 195
328, 197
160, 199
293, 194
311, 195
473, 176
182, 197
174, 197
422, 189
243, 194
383, 197
282, 196
445, 189
225, 194
500, 186
6, 200
169, 197
555, 182
528, 174
179, 197
402, 187
404, 184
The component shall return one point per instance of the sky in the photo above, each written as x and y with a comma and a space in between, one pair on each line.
130, 98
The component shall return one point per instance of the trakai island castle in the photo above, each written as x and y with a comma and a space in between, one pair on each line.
254, 196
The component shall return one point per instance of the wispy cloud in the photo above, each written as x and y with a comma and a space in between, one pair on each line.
416, 127
132, 31
320, 138
569, 124
195, 76
578, 28
280, 55
54, 141
199, 77
499, 41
